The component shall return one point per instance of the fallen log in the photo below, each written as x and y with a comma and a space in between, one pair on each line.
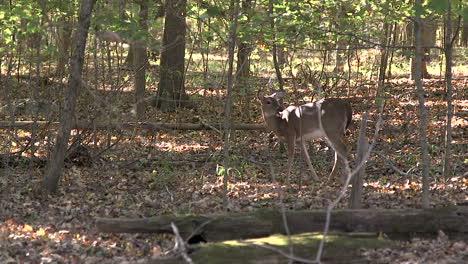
269, 221
128, 125
340, 248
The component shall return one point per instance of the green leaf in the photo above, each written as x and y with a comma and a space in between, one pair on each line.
212, 11
439, 6
465, 13
220, 170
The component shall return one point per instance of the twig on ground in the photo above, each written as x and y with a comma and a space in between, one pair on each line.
395, 168
169, 192
179, 247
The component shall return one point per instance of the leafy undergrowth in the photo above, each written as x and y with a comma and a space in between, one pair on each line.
178, 172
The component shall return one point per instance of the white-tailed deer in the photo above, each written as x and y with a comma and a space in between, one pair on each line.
296, 124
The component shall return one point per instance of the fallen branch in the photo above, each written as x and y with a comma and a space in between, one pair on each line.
266, 222
128, 125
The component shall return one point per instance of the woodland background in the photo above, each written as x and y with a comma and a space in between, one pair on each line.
145, 108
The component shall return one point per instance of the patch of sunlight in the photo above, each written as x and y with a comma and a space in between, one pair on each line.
208, 92
179, 147
282, 240
198, 57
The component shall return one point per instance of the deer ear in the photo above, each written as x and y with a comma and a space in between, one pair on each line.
260, 95
279, 95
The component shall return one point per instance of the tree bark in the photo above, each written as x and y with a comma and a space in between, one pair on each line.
228, 108
55, 165
244, 48
383, 60
341, 40
64, 38
355, 200
447, 173
269, 221
464, 34
428, 38
422, 108
275, 47
171, 91
140, 62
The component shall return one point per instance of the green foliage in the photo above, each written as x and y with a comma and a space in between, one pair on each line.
221, 170
439, 6
212, 11
19, 20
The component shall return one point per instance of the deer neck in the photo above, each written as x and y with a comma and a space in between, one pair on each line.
278, 121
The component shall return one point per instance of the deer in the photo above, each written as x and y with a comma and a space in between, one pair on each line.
298, 124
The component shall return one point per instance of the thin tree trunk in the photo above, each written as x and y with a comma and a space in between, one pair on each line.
392, 53
275, 48
355, 200
228, 108
140, 62
448, 83
464, 35
55, 165
428, 37
383, 61
243, 60
339, 54
422, 108
340, 41
244, 45
64, 36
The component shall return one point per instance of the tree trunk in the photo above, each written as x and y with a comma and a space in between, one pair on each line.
244, 48
422, 108
275, 47
56, 162
228, 107
340, 57
383, 60
64, 37
269, 221
428, 38
339, 54
243, 60
355, 200
447, 173
464, 35
140, 62
171, 91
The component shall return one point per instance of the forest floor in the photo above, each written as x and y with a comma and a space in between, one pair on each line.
147, 174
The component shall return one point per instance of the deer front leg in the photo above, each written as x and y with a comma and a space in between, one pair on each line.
307, 158
291, 149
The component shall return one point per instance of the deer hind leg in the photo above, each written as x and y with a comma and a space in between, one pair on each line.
341, 154
307, 158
